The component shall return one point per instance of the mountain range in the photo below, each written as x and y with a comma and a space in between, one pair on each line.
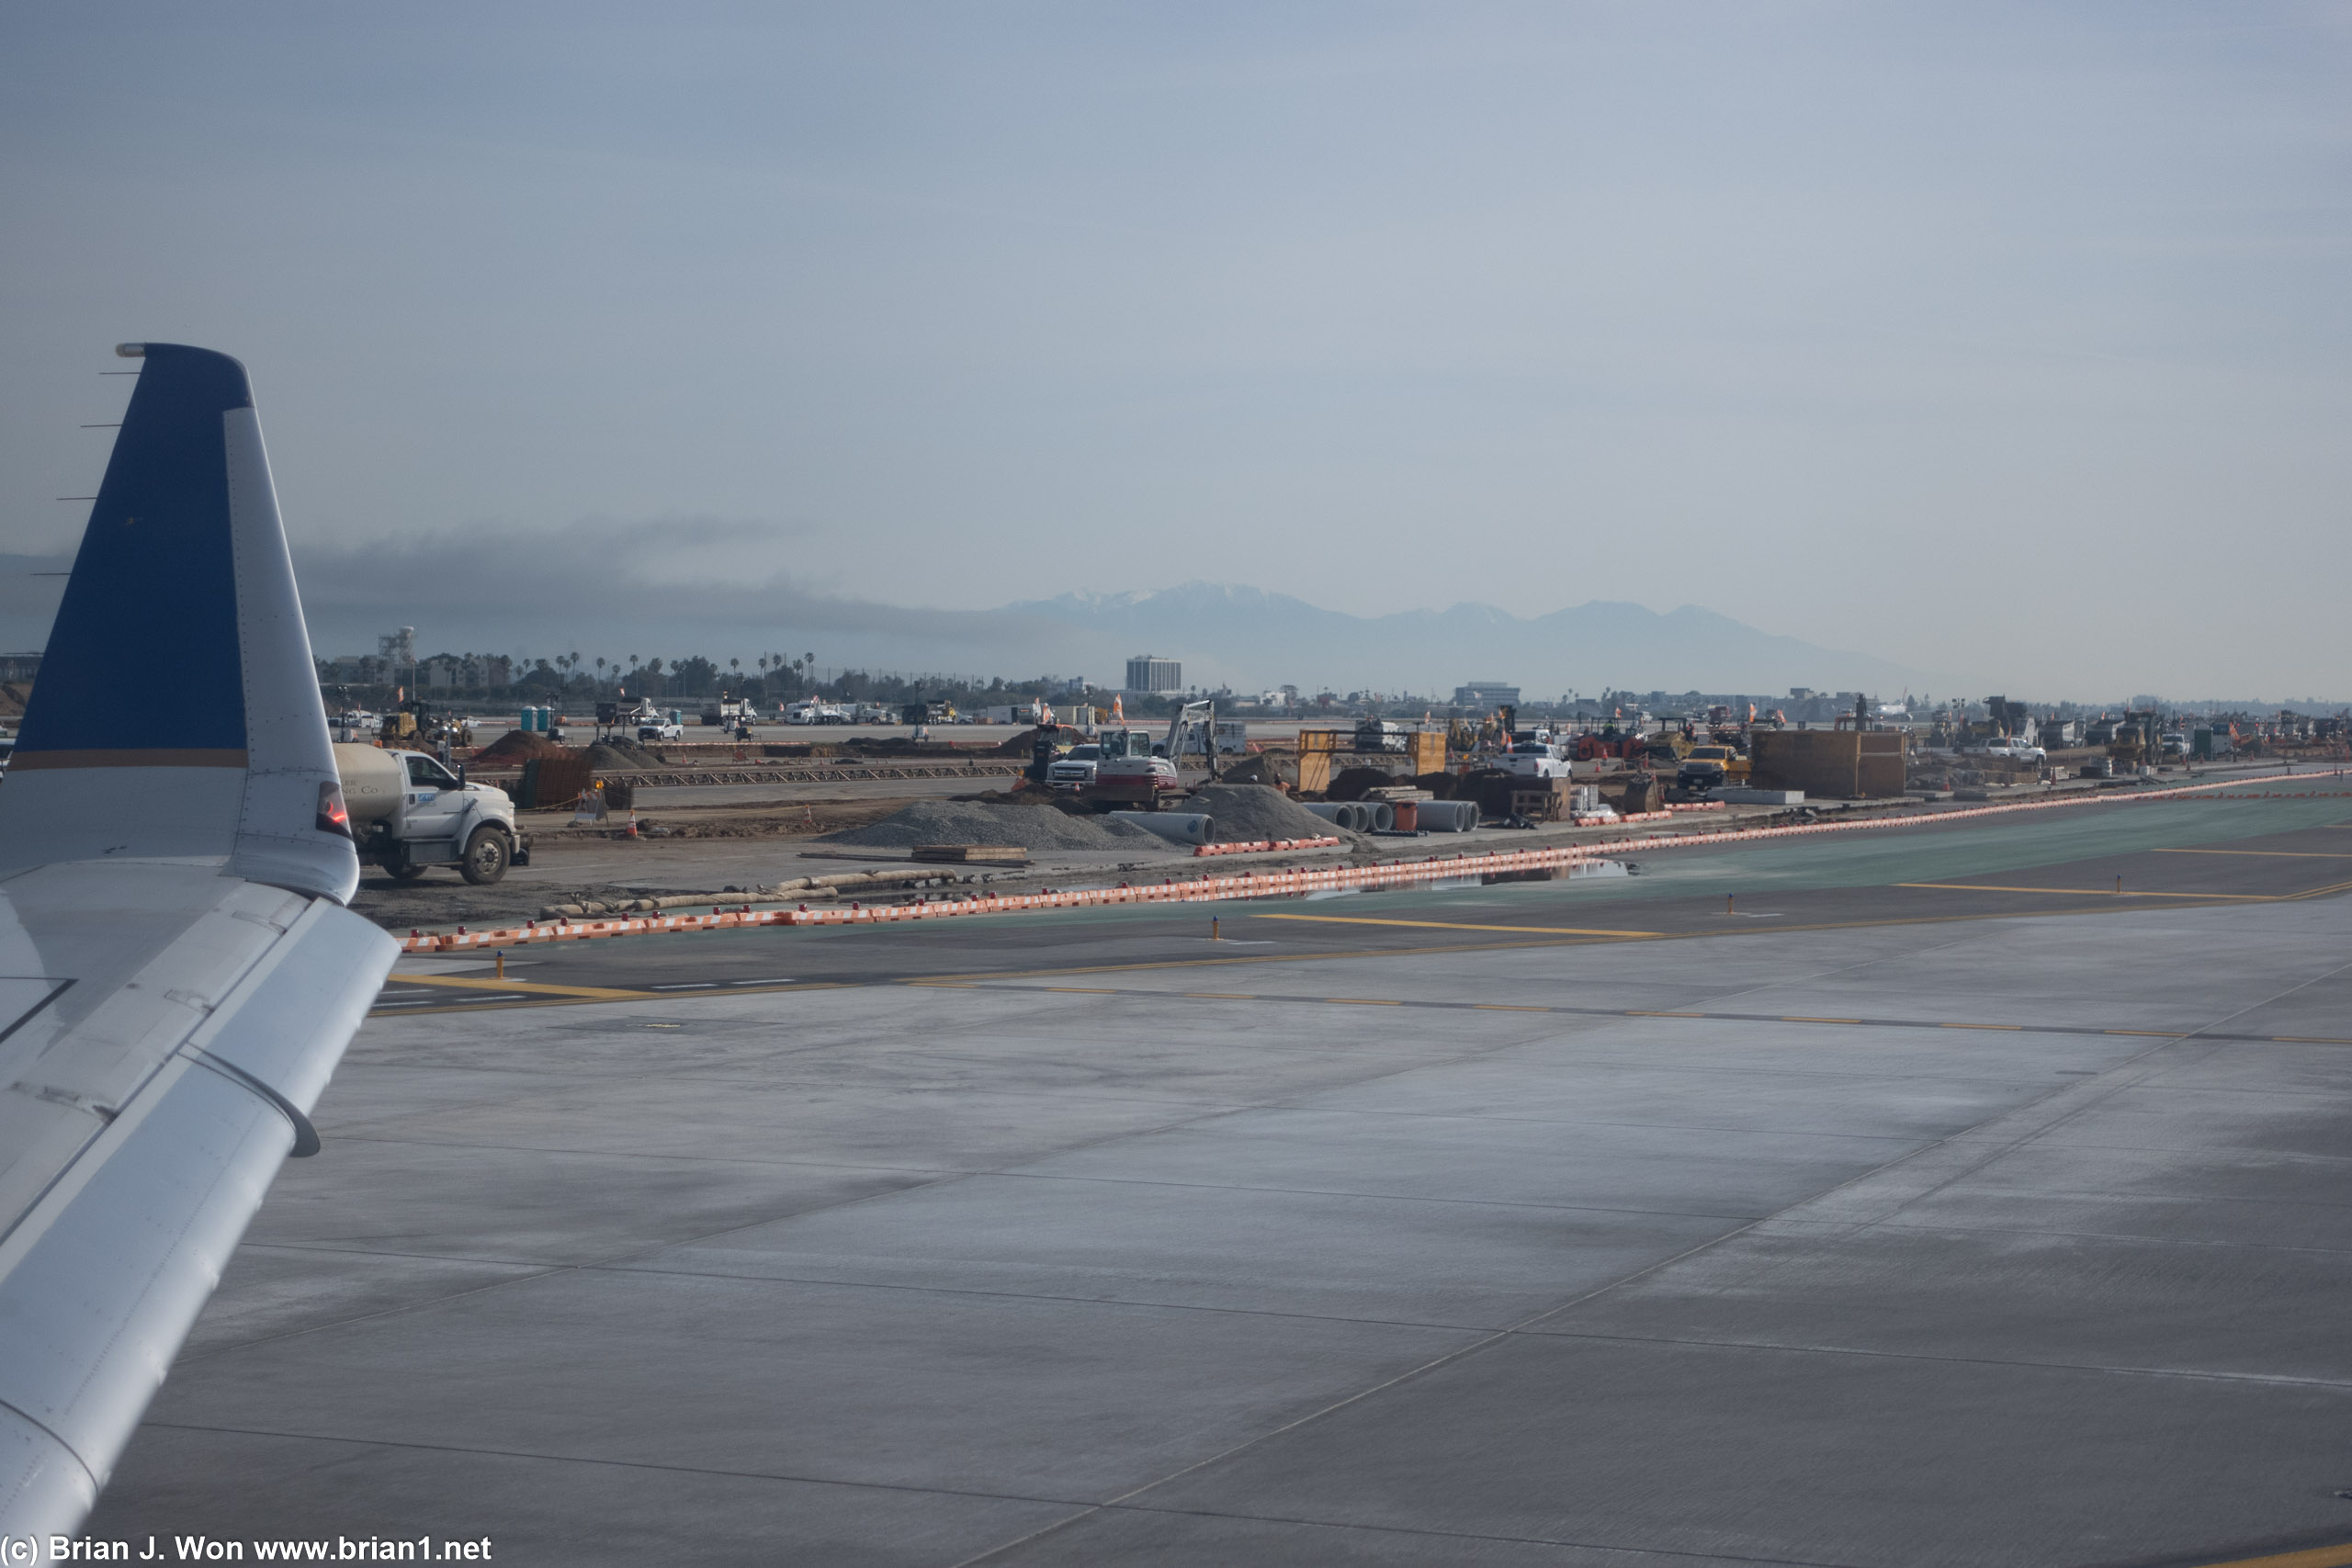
1250, 637
518, 596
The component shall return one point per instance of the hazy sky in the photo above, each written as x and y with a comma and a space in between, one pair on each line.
2003, 340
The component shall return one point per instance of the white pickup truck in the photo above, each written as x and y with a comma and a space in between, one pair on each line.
408, 813
1535, 760
1074, 769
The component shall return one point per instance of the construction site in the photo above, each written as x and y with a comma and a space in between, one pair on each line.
633, 811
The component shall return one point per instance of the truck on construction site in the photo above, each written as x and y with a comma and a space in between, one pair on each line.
1074, 769
729, 713
1710, 766
1232, 737
408, 814
420, 723
1133, 772
1530, 758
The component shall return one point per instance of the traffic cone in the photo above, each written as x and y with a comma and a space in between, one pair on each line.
632, 822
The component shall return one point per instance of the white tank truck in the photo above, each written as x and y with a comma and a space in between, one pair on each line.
408, 812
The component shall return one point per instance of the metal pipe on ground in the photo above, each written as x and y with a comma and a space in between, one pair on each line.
1183, 826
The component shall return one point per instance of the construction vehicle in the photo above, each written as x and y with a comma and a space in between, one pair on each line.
1666, 749
1133, 773
1709, 766
724, 712
408, 812
420, 723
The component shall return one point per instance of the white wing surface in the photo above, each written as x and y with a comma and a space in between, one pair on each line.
178, 975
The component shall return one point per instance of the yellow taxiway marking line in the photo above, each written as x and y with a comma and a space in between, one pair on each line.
1456, 926
2268, 854
2089, 892
471, 982
2310, 1557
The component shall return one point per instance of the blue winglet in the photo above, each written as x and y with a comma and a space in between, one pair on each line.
152, 605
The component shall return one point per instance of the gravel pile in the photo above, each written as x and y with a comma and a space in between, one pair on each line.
620, 756
1027, 827
1247, 812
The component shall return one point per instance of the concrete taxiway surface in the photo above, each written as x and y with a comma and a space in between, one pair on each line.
1898, 1198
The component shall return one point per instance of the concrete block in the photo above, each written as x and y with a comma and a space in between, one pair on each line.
1735, 796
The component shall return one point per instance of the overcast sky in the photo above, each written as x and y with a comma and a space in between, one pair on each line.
2006, 341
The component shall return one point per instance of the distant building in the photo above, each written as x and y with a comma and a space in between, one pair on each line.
1146, 673
1486, 694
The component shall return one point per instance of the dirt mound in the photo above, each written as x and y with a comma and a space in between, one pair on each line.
14, 695
1350, 784
521, 746
621, 757
1247, 812
1440, 785
1261, 769
1029, 792
971, 822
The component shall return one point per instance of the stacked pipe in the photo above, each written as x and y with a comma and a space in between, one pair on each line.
1356, 815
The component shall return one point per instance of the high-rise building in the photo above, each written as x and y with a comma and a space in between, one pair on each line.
1146, 673
1485, 693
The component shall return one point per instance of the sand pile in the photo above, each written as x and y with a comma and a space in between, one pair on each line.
518, 746
1028, 826
1247, 812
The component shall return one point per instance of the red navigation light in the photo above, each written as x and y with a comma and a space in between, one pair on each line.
332, 816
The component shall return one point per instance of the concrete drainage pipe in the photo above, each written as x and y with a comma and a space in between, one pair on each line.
1448, 816
1183, 826
1353, 815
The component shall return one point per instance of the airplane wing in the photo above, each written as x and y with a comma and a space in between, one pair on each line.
177, 975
